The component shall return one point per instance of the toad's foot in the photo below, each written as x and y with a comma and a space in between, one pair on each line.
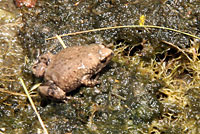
87, 81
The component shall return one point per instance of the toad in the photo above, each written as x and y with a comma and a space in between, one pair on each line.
70, 68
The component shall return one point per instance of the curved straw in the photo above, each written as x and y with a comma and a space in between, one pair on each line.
128, 26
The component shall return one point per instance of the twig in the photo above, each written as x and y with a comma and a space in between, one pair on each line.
178, 49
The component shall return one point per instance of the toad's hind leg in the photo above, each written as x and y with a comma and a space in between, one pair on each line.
87, 81
53, 92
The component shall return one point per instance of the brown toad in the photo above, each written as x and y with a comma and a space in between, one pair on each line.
70, 68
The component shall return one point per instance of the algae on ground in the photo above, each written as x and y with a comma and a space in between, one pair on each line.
149, 87
11, 52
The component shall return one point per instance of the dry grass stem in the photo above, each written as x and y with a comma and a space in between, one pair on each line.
33, 106
128, 26
14, 93
61, 41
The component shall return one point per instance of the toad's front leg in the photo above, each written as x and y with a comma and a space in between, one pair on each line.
40, 66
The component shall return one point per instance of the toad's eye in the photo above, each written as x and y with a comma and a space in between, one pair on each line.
104, 60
